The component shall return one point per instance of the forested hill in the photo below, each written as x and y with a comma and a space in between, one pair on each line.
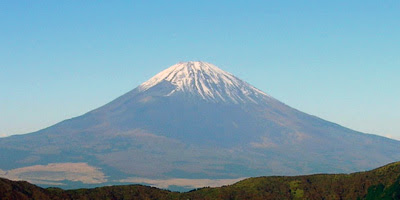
381, 183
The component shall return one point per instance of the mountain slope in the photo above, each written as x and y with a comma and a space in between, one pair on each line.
192, 121
381, 183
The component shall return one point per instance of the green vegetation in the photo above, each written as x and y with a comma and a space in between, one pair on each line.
381, 183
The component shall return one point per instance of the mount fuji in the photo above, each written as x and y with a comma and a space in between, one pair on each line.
191, 125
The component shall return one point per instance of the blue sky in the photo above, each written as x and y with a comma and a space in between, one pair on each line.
339, 60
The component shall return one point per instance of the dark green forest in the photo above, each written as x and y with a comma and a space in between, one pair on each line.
380, 183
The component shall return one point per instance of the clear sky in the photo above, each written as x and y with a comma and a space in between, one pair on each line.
339, 60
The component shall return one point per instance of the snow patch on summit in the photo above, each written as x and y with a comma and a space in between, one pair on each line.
206, 81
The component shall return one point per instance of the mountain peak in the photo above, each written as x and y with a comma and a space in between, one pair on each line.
204, 80
225, 127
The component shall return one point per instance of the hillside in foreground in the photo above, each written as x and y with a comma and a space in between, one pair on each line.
380, 183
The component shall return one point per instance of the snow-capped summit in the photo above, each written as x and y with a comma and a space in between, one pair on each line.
207, 81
